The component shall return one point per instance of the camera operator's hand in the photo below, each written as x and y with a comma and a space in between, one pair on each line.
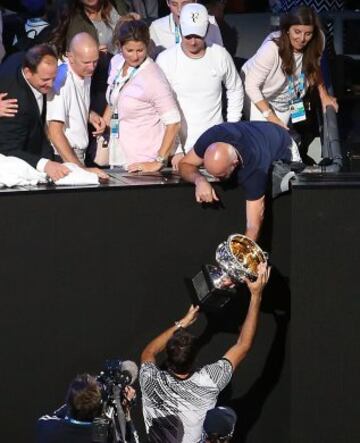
129, 397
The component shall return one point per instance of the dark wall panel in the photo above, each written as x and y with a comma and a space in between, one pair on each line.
90, 274
325, 308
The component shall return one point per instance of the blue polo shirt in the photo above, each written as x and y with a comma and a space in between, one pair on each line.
259, 145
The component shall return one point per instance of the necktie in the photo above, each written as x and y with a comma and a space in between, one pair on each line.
43, 113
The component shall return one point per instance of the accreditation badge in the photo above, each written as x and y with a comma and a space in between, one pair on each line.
297, 110
114, 126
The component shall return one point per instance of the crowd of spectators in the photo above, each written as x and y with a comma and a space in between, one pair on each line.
189, 51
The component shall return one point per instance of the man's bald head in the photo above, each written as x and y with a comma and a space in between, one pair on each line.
221, 159
83, 54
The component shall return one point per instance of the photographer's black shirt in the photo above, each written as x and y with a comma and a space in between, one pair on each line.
52, 429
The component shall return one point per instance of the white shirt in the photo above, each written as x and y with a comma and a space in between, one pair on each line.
177, 408
163, 33
38, 96
40, 166
70, 103
197, 83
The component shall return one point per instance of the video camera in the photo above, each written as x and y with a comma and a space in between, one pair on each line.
110, 427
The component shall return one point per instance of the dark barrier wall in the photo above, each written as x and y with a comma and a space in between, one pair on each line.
91, 274
325, 308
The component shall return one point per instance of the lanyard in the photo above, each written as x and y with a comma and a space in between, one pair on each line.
295, 93
177, 30
120, 85
117, 84
81, 101
177, 34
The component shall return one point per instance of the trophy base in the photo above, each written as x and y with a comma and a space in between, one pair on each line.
206, 292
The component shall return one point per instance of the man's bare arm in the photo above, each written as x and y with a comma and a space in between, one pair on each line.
159, 343
189, 171
247, 333
254, 217
189, 167
61, 143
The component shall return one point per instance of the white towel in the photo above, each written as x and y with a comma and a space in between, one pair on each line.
78, 176
16, 172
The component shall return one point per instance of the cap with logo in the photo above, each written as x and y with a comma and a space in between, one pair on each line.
194, 20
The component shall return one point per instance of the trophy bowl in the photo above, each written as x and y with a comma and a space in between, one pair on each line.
239, 257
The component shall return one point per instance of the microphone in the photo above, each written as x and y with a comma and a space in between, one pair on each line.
130, 371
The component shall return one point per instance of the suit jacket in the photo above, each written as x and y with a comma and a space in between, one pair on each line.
24, 135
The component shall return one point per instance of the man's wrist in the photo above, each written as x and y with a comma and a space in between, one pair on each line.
41, 164
179, 324
161, 159
267, 113
256, 295
199, 179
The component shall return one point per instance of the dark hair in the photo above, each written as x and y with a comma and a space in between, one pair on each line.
128, 29
302, 15
72, 8
84, 398
34, 56
181, 352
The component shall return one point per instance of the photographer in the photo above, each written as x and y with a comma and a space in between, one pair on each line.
219, 425
73, 422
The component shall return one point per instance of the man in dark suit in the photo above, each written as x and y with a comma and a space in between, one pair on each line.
28, 79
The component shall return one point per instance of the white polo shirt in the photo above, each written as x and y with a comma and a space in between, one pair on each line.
164, 34
70, 103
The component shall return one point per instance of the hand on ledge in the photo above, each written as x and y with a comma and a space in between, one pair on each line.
100, 173
145, 167
204, 192
175, 161
55, 170
329, 100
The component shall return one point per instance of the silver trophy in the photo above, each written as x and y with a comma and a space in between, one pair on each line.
238, 258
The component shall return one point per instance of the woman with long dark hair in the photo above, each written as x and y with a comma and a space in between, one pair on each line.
286, 65
96, 17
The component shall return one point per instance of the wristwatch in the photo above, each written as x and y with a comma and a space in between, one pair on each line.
267, 113
161, 160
